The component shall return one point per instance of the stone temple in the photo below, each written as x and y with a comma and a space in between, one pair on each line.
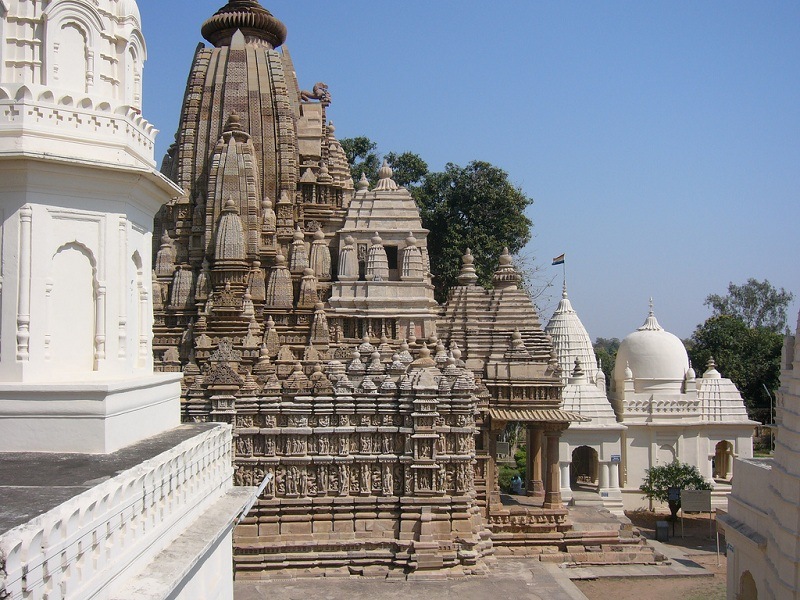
299, 306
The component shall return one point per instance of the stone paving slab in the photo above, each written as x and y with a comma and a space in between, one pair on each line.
508, 578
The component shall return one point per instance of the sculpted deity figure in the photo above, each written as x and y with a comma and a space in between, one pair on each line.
408, 480
461, 478
344, 480
388, 483
269, 489
292, 477
387, 443
424, 481
323, 443
366, 443
303, 483
424, 449
322, 480
365, 482
344, 445
269, 445
441, 478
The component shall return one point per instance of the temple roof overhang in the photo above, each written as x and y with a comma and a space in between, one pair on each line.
536, 415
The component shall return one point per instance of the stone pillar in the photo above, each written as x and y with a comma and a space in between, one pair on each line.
614, 476
565, 467
534, 461
552, 485
729, 462
492, 488
604, 476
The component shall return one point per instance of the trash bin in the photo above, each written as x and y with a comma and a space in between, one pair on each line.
662, 531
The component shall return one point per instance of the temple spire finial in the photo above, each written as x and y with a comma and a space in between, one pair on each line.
468, 276
248, 16
651, 323
385, 181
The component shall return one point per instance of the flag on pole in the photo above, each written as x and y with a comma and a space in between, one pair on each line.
559, 260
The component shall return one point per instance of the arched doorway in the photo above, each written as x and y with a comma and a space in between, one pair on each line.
723, 460
747, 587
584, 468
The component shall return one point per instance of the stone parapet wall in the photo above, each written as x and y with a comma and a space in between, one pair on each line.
80, 548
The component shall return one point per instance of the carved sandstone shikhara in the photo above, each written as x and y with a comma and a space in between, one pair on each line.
301, 310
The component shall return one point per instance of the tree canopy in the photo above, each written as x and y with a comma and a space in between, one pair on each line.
748, 356
362, 156
606, 351
474, 207
660, 478
755, 303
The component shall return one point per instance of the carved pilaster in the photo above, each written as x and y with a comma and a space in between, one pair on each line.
24, 291
123, 298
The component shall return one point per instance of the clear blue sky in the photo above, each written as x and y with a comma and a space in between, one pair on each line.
660, 141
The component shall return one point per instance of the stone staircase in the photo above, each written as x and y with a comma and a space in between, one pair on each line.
590, 535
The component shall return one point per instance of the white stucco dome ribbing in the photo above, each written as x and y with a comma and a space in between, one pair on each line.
571, 341
655, 357
128, 9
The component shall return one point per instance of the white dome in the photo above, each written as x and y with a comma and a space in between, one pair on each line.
570, 340
656, 357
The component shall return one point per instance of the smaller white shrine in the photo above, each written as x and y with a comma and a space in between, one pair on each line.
671, 414
590, 451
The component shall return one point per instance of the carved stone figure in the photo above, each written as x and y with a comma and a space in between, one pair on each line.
344, 480
320, 93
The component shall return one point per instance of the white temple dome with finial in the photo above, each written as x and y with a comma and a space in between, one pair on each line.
571, 340
657, 358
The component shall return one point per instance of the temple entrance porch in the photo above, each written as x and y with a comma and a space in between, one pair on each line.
535, 519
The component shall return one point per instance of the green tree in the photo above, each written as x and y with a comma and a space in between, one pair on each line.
755, 303
474, 207
748, 356
659, 479
409, 169
606, 351
362, 155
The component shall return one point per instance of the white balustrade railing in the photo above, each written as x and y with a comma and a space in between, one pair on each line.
79, 547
